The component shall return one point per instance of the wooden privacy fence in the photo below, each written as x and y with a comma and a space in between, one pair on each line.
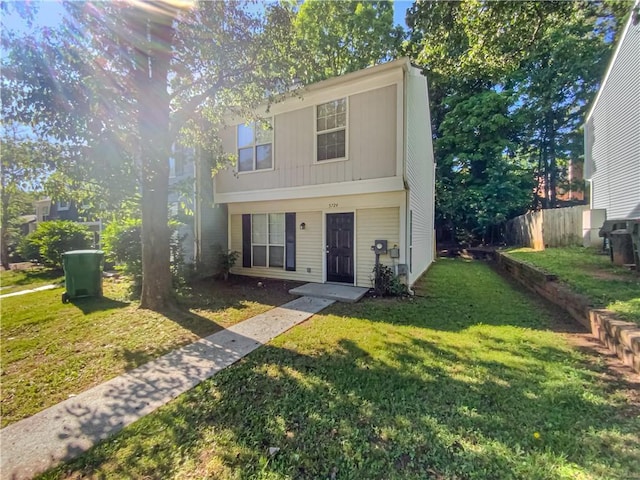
556, 227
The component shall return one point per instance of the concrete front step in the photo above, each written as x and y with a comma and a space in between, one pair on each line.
331, 291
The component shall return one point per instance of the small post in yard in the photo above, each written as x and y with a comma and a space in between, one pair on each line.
379, 248
376, 278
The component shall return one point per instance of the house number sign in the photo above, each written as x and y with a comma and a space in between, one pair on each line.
333, 205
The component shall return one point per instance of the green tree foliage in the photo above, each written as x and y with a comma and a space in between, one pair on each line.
509, 85
24, 165
124, 81
122, 244
51, 239
334, 38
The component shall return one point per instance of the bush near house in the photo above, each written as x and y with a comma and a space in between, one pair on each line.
122, 243
51, 239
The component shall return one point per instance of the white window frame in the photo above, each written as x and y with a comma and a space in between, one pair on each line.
254, 146
330, 130
268, 244
63, 206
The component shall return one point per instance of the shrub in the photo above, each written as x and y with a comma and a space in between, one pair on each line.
122, 243
386, 283
51, 239
28, 250
226, 260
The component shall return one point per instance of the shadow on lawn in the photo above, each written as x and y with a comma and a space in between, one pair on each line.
419, 411
97, 304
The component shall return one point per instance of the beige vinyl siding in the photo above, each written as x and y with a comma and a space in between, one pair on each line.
420, 176
612, 134
372, 133
371, 142
309, 253
374, 224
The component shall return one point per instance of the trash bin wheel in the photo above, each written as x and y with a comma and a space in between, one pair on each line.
65, 298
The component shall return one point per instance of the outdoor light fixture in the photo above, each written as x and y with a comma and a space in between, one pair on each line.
303, 226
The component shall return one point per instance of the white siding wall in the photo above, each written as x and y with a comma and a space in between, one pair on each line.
308, 250
377, 216
372, 147
612, 134
419, 174
374, 224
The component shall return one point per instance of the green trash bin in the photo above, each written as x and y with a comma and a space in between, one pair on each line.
633, 227
82, 274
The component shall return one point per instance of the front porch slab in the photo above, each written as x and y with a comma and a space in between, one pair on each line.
331, 291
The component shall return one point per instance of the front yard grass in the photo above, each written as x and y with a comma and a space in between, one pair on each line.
465, 381
18, 280
51, 350
591, 274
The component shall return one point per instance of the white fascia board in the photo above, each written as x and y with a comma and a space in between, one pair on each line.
613, 60
376, 185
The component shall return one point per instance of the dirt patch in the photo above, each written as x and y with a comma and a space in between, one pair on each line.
249, 287
601, 275
21, 266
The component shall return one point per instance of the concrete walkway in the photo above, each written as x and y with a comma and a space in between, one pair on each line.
69, 428
23, 292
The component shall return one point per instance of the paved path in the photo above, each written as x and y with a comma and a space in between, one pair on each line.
22, 292
69, 428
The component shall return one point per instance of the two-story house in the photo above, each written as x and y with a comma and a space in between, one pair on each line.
612, 131
328, 173
46, 209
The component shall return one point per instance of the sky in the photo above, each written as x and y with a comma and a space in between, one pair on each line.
50, 12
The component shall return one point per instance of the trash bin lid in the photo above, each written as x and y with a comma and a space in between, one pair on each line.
610, 225
84, 252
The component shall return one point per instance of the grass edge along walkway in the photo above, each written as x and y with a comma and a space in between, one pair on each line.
466, 380
64, 431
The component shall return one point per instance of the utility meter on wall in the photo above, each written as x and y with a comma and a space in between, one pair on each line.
380, 247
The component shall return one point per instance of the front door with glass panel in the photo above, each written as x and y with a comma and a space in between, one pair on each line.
339, 248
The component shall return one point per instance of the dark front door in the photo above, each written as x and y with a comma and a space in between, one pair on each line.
340, 247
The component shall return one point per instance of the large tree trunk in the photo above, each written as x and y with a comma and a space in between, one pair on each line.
153, 59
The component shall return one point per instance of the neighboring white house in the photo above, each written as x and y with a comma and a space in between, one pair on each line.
612, 130
335, 168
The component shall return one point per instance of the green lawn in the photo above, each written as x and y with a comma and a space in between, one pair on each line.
591, 274
17, 280
51, 350
465, 381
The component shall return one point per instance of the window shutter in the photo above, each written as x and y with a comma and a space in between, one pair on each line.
246, 240
290, 239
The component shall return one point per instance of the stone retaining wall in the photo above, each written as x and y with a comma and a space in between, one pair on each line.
622, 338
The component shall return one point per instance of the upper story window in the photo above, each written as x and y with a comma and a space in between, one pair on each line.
255, 146
63, 206
331, 130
